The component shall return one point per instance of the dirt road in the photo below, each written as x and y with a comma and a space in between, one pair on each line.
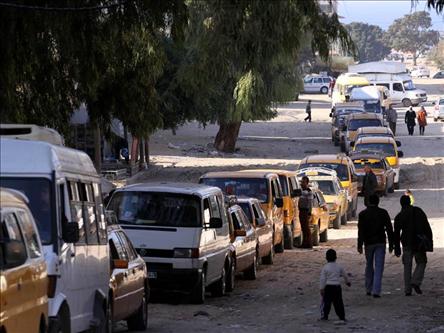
285, 297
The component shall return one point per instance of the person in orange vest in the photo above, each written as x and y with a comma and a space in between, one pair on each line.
422, 120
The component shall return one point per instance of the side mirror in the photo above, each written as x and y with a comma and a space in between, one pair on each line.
70, 232
15, 253
400, 153
111, 217
398, 143
296, 193
279, 202
120, 264
260, 221
240, 233
215, 222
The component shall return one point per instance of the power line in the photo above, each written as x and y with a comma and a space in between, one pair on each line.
63, 9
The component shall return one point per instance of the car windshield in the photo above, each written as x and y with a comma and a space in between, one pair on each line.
408, 85
38, 191
373, 106
341, 169
327, 187
354, 124
246, 208
340, 112
359, 164
241, 187
386, 148
156, 209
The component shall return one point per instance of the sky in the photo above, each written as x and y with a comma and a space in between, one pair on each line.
383, 12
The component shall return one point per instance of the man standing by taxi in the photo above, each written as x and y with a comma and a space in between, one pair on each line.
305, 206
392, 117
369, 184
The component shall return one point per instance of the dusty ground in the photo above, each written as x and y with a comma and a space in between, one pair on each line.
285, 297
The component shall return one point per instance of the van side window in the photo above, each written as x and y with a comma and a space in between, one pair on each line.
76, 207
398, 87
121, 252
237, 222
275, 189
214, 212
29, 233
256, 212
10, 231
89, 213
100, 215
207, 214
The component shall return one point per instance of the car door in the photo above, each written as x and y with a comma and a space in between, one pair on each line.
397, 92
264, 232
317, 84
294, 185
239, 242
250, 238
324, 212
278, 218
390, 174
308, 85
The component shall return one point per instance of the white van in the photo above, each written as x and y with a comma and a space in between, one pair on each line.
181, 231
370, 96
65, 198
394, 76
31, 132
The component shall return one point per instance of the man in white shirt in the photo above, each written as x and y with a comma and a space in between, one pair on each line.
330, 286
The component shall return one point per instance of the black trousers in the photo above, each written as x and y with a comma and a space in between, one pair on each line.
421, 130
308, 117
333, 294
410, 129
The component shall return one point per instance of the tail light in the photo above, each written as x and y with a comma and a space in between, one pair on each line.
52, 285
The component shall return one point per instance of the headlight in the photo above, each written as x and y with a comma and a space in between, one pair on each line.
186, 253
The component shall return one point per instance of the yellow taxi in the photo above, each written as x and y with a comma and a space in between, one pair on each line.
338, 115
358, 120
345, 171
328, 183
386, 146
262, 185
291, 192
375, 131
23, 275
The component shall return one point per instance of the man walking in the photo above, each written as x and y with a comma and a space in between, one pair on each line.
413, 230
305, 206
369, 183
308, 111
410, 120
373, 225
392, 117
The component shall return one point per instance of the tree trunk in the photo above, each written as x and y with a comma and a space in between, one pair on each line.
97, 147
147, 150
142, 165
414, 59
226, 137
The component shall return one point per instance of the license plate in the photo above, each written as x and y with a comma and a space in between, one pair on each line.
152, 275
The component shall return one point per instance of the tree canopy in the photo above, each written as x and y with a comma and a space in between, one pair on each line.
368, 40
412, 33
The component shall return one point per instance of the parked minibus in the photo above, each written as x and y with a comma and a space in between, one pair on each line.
65, 199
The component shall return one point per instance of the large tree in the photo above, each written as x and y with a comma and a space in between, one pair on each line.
242, 54
368, 40
412, 33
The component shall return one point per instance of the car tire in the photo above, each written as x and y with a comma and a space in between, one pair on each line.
435, 120
279, 248
198, 294
219, 288
61, 322
323, 237
337, 222
251, 272
231, 276
139, 320
324, 90
269, 259
344, 219
315, 235
288, 237
396, 186
297, 241
406, 102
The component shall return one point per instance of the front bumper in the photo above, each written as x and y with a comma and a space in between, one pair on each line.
418, 100
172, 279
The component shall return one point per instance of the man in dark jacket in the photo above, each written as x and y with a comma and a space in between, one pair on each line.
305, 206
373, 224
369, 184
409, 223
410, 120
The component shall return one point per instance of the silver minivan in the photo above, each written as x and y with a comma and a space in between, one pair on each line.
317, 84
181, 231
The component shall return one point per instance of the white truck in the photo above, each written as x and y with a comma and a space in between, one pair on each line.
395, 77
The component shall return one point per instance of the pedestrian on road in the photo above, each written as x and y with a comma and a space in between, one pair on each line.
410, 120
305, 206
373, 225
308, 111
422, 120
369, 183
413, 230
330, 286
392, 117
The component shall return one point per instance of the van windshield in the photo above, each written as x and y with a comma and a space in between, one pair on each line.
38, 191
408, 85
156, 209
386, 148
241, 187
354, 124
341, 169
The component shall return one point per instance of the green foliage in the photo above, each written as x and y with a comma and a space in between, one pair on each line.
369, 41
437, 54
412, 33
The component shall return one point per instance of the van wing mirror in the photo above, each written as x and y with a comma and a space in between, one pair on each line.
215, 222
296, 193
14, 253
120, 264
279, 202
240, 233
260, 221
400, 153
398, 143
70, 232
